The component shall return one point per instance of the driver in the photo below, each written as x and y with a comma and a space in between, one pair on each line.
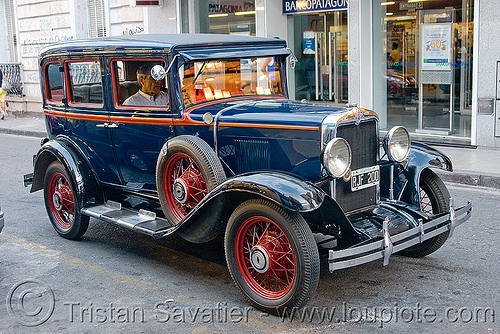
150, 93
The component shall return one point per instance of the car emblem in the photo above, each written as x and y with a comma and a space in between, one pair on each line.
359, 115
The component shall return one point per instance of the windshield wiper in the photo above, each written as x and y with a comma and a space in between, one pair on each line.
200, 71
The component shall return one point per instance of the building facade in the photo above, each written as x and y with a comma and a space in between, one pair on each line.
430, 65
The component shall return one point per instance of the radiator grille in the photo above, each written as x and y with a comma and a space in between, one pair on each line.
363, 140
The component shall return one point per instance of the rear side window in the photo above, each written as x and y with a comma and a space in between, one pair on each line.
85, 82
54, 83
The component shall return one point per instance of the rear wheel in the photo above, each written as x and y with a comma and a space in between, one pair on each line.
62, 203
434, 199
272, 256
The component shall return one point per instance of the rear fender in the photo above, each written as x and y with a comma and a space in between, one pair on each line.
88, 189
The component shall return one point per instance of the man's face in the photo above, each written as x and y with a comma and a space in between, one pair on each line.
150, 86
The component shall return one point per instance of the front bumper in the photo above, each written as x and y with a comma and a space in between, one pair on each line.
387, 245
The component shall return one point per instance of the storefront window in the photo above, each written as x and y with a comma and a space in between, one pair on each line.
424, 72
227, 17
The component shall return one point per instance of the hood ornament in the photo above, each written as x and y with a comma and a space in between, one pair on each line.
359, 116
354, 109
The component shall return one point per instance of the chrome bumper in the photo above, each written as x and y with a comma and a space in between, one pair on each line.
388, 245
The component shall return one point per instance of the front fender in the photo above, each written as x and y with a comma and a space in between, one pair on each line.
84, 180
426, 156
286, 190
420, 157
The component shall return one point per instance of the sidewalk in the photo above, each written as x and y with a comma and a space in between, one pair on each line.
477, 167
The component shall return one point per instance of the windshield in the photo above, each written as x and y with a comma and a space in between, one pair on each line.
211, 80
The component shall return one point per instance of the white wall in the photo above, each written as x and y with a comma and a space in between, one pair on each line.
39, 24
161, 19
270, 22
4, 45
486, 55
125, 20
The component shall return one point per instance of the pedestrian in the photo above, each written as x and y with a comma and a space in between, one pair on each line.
3, 93
395, 56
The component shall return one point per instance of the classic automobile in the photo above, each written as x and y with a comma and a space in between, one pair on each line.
285, 181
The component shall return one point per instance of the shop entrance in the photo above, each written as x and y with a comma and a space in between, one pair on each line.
427, 48
321, 73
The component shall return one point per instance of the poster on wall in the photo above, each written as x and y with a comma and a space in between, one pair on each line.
436, 47
308, 44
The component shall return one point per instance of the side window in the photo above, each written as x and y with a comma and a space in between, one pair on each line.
134, 85
53, 84
85, 82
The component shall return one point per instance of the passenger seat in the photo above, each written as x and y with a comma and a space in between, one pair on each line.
127, 89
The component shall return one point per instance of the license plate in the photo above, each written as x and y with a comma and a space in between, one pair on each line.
365, 178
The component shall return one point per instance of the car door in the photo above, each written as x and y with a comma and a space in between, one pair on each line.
138, 131
87, 116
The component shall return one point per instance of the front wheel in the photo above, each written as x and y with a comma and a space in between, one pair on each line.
185, 174
272, 256
62, 204
434, 199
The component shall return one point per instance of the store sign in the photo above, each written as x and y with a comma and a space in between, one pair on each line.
305, 6
436, 47
411, 5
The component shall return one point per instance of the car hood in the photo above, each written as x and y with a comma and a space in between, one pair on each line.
269, 112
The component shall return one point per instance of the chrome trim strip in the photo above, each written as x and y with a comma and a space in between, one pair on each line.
381, 248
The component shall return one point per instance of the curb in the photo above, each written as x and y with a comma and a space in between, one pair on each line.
28, 133
471, 178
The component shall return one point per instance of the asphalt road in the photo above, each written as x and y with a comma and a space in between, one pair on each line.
114, 280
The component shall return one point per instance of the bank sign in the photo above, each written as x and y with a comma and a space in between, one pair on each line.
305, 6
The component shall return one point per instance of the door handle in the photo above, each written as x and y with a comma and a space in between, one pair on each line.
107, 125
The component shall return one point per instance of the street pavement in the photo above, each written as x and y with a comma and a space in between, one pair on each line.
471, 166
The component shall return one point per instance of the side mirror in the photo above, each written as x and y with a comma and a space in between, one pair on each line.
158, 72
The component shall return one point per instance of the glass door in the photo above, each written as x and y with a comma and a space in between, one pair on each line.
322, 74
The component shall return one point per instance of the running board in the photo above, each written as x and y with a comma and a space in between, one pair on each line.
141, 221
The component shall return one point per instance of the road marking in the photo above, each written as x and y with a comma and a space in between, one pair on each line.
80, 264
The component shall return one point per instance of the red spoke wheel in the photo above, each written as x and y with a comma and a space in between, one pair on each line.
185, 174
272, 256
61, 203
434, 198
184, 184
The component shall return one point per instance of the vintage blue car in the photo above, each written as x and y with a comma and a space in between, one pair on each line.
195, 135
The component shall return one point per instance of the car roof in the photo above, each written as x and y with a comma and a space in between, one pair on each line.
162, 43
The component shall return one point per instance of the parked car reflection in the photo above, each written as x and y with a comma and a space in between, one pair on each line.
400, 86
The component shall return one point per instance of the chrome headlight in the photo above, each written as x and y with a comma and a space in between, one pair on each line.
337, 157
397, 144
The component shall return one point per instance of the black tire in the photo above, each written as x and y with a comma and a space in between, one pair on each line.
62, 203
272, 283
199, 172
434, 198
